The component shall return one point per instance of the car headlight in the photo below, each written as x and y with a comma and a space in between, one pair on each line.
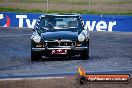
37, 38
81, 37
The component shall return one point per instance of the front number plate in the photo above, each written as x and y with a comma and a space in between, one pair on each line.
59, 51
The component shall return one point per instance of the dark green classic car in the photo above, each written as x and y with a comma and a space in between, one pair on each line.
59, 35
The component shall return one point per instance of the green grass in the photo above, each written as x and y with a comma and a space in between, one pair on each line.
92, 2
58, 11
29, 1
76, 2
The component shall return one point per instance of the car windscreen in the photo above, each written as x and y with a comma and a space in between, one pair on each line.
59, 22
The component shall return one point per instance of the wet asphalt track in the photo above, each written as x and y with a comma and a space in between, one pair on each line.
109, 52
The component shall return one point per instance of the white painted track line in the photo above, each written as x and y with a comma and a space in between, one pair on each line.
11, 35
35, 78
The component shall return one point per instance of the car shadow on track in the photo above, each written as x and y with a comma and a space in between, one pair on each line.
61, 58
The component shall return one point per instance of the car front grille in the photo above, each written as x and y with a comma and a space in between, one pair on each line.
54, 44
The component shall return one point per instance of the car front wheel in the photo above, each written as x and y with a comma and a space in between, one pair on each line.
35, 56
84, 54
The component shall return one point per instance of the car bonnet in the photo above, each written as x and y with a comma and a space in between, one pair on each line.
68, 35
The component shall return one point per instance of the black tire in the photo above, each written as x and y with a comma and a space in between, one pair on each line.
84, 54
35, 56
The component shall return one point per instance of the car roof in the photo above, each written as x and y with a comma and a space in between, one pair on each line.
65, 14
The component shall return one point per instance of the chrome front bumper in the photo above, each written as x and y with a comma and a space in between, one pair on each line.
66, 48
